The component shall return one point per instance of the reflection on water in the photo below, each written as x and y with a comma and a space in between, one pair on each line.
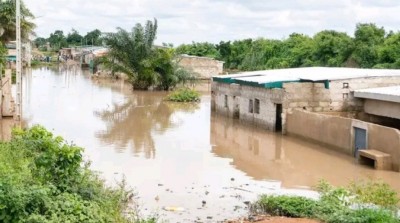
179, 153
132, 122
294, 162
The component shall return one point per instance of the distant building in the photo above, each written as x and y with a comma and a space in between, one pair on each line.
204, 66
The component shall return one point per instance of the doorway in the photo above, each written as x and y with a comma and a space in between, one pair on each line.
278, 118
360, 140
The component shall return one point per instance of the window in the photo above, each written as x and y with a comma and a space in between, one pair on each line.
250, 106
257, 106
345, 85
345, 95
226, 101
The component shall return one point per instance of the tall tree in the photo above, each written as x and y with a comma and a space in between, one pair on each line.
332, 48
368, 38
8, 23
131, 53
57, 39
389, 52
93, 37
74, 38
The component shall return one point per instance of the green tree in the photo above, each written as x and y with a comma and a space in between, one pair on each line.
8, 23
74, 38
239, 49
39, 41
93, 37
57, 39
131, 53
368, 39
3, 53
389, 52
299, 50
332, 48
198, 49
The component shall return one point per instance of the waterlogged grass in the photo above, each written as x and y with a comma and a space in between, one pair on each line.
184, 95
44, 179
364, 202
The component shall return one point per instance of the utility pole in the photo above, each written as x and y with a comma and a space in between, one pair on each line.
18, 104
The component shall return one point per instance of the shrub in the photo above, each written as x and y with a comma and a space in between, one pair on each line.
374, 192
184, 95
43, 179
336, 205
290, 206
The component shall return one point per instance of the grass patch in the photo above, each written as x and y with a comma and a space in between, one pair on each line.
363, 202
44, 179
184, 95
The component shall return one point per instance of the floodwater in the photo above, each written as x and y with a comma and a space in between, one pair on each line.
179, 155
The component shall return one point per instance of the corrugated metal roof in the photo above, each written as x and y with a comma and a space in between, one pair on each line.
383, 94
313, 74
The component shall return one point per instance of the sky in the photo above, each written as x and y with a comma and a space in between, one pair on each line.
184, 21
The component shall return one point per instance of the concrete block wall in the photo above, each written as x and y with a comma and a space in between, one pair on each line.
338, 132
268, 99
315, 97
232, 93
204, 66
238, 98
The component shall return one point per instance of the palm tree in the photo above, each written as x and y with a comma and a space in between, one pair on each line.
7, 21
131, 53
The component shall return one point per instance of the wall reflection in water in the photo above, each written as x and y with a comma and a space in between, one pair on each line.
265, 155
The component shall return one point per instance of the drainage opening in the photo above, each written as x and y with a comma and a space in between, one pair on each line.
367, 161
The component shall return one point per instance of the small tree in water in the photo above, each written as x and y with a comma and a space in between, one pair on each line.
134, 54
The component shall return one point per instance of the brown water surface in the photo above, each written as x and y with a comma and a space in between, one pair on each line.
179, 155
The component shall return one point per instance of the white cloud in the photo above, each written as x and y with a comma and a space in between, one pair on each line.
183, 21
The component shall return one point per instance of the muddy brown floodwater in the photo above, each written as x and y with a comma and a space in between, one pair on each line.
179, 156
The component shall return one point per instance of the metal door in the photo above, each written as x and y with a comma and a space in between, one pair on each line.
360, 139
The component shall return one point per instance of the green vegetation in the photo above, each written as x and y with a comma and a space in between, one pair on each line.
371, 47
7, 21
44, 179
359, 202
58, 39
134, 54
184, 95
3, 53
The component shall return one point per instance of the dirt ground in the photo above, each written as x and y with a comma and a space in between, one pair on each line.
269, 219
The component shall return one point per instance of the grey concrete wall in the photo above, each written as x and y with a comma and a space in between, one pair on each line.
237, 105
204, 66
315, 97
382, 108
218, 93
386, 140
338, 133
266, 118
331, 130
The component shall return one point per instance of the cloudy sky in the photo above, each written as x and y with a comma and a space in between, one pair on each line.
184, 21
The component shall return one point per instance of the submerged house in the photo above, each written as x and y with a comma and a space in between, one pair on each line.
345, 108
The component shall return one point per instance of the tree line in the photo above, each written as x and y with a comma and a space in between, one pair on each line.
371, 47
58, 39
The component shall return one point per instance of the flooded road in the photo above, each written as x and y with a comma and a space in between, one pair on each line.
179, 155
